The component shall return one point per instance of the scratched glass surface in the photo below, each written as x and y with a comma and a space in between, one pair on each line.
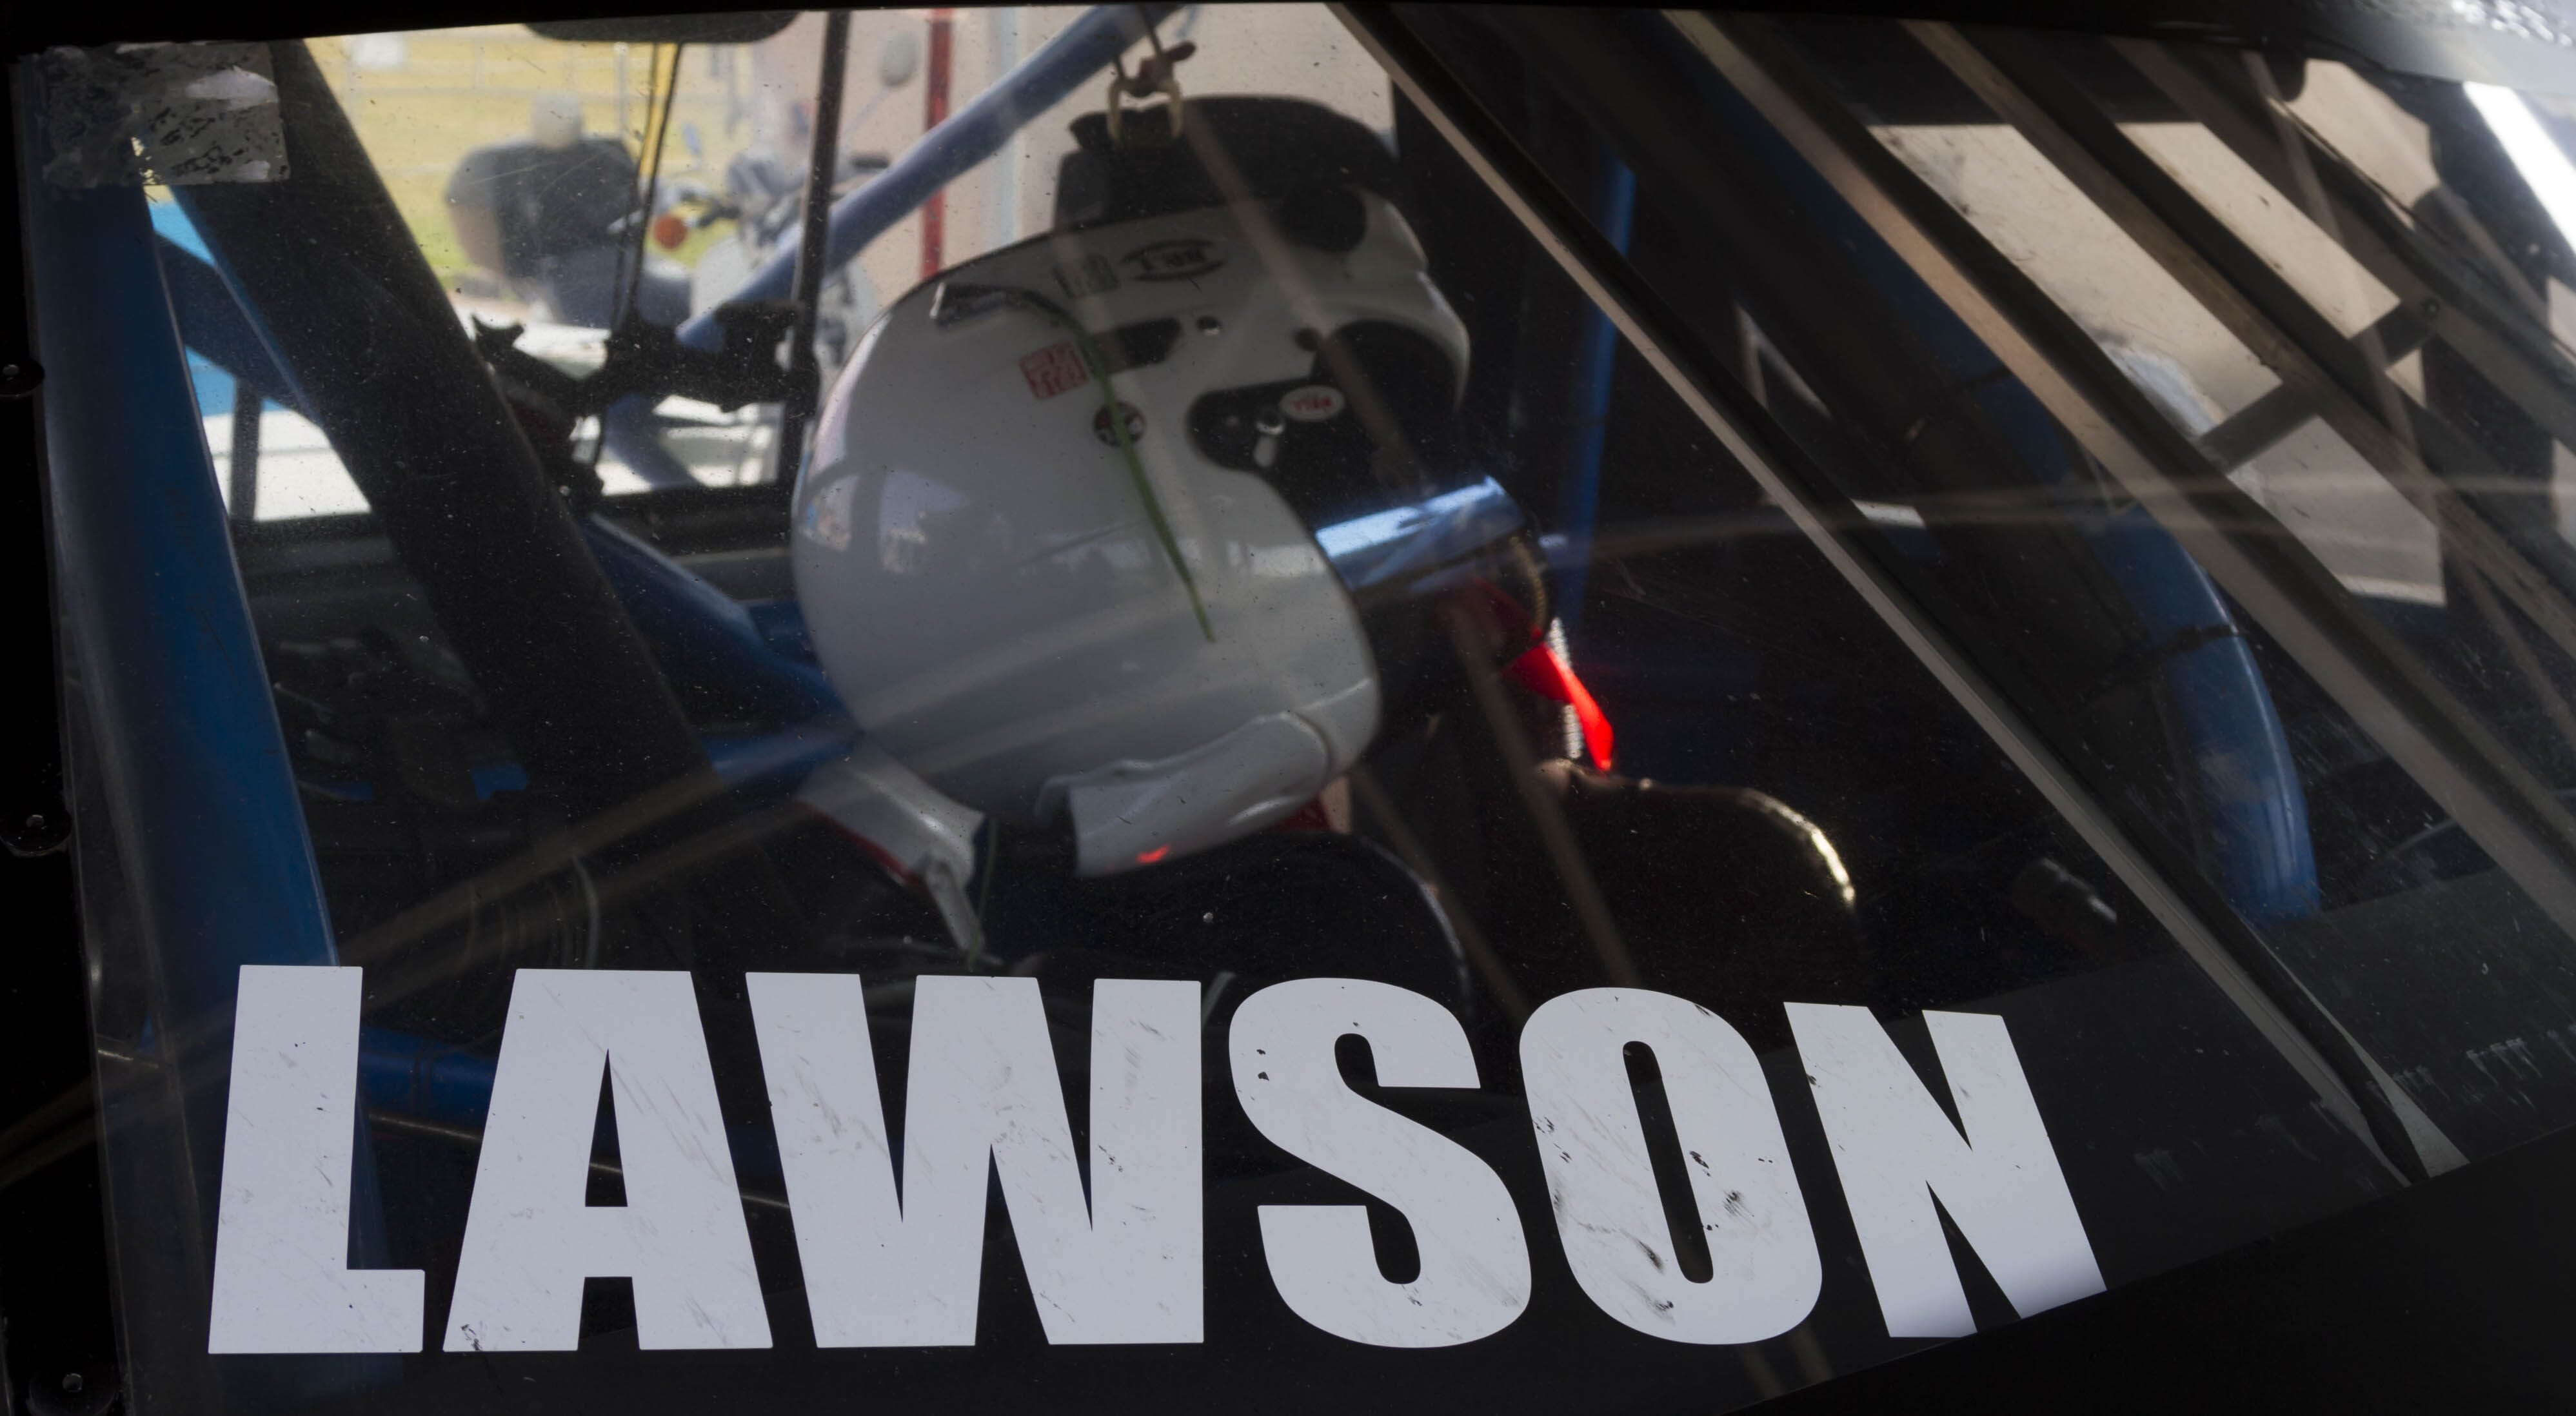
1273, 804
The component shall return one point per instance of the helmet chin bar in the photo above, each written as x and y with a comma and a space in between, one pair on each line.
1124, 815
1129, 814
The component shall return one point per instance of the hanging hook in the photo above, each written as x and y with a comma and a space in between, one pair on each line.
1153, 75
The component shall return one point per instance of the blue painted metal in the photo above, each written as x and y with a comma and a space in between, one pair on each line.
952, 149
766, 763
719, 636
778, 763
212, 378
434, 1081
2266, 861
706, 627
197, 760
193, 761
782, 626
1614, 207
2255, 804
2250, 792
222, 345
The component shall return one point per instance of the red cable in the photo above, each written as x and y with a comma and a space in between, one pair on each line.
1543, 673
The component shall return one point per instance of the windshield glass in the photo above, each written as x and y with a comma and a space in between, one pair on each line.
1262, 704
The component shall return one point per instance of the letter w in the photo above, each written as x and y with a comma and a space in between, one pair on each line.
983, 1096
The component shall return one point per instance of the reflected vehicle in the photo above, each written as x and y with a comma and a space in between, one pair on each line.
1467, 706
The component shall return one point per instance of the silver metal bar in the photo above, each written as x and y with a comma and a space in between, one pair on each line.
1829, 523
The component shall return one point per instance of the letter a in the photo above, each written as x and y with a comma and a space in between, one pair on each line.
531, 1237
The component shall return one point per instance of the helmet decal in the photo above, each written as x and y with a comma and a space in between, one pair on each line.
1180, 258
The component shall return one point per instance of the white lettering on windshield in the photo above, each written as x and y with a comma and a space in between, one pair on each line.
1475, 1275
531, 1240
1120, 1259
282, 1276
1897, 1152
982, 1092
1764, 1271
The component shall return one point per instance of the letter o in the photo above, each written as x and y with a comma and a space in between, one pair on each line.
1609, 1214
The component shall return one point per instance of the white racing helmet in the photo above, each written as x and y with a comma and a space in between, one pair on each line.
1080, 533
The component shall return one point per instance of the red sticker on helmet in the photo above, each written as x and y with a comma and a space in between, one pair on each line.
1312, 404
1053, 370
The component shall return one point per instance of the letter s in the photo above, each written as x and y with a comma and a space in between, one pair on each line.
1475, 1275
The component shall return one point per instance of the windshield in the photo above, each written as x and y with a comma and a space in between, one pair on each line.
1285, 705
